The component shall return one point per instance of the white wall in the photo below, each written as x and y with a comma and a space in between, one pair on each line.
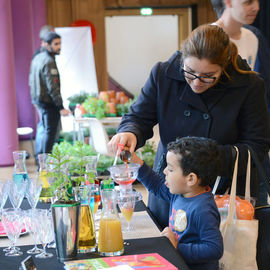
135, 43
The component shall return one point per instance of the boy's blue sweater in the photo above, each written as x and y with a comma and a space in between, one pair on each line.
194, 220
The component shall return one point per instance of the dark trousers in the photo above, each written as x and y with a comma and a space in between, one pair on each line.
47, 129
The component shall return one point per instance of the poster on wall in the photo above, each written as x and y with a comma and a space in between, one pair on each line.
76, 65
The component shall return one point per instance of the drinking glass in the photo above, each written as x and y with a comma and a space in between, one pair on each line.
13, 222
31, 226
33, 191
16, 193
4, 188
126, 203
45, 231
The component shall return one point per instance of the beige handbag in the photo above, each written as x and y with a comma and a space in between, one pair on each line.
239, 236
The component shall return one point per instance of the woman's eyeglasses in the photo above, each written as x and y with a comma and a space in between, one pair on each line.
203, 79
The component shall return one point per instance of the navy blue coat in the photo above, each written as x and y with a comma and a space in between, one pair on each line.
233, 112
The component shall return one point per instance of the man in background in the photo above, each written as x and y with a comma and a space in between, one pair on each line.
44, 84
44, 30
235, 17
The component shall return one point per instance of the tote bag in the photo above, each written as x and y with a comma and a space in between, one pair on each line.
239, 236
262, 213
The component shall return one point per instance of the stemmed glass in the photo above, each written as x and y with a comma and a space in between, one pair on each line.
13, 222
45, 230
16, 193
31, 226
126, 203
4, 189
33, 191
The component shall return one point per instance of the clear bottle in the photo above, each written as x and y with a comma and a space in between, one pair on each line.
87, 234
20, 172
110, 240
46, 192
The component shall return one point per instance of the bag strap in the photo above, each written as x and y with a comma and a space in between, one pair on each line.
231, 209
247, 188
216, 185
259, 169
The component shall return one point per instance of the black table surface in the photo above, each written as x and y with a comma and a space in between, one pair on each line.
160, 245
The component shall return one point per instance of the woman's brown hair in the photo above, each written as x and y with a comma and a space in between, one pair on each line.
212, 43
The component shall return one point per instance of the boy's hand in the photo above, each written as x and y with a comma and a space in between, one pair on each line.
136, 159
169, 234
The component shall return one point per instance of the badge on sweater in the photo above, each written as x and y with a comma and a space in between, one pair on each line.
180, 220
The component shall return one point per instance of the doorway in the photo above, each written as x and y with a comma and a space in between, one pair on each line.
134, 43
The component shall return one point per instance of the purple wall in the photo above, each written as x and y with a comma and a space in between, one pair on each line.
8, 110
23, 51
39, 19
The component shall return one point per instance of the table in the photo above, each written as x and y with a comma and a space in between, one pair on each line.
157, 244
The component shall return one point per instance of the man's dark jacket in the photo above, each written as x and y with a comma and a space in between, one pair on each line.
44, 81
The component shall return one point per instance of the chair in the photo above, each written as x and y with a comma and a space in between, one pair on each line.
98, 136
22, 131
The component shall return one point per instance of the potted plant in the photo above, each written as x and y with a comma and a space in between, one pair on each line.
65, 210
77, 99
95, 107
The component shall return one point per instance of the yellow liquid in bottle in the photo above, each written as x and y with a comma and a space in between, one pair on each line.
87, 236
46, 191
127, 213
110, 235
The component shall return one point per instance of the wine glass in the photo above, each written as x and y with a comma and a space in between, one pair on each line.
33, 191
13, 222
16, 193
45, 230
126, 203
4, 189
31, 226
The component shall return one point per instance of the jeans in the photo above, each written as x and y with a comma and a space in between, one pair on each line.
47, 128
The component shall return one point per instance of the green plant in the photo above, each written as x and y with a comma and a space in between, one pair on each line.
78, 98
68, 161
149, 153
95, 106
124, 108
58, 162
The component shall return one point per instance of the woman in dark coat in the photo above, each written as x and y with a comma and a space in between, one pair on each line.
205, 90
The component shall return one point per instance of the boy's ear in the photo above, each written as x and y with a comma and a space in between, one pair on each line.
192, 179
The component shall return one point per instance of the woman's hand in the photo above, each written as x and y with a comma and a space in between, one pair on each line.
126, 139
169, 234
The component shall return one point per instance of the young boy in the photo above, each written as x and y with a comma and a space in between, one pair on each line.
193, 164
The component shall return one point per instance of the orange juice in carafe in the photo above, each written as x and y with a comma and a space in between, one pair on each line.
110, 237
110, 240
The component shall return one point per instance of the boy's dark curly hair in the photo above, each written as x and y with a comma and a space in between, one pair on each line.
198, 155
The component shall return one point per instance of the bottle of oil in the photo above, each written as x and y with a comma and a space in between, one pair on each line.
46, 192
87, 234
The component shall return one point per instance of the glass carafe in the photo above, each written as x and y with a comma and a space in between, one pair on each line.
90, 168
87, 235
46, 192
20, 173
110, 240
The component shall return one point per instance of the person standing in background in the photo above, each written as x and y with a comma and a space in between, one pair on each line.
44, 84
44, 30
235, 17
